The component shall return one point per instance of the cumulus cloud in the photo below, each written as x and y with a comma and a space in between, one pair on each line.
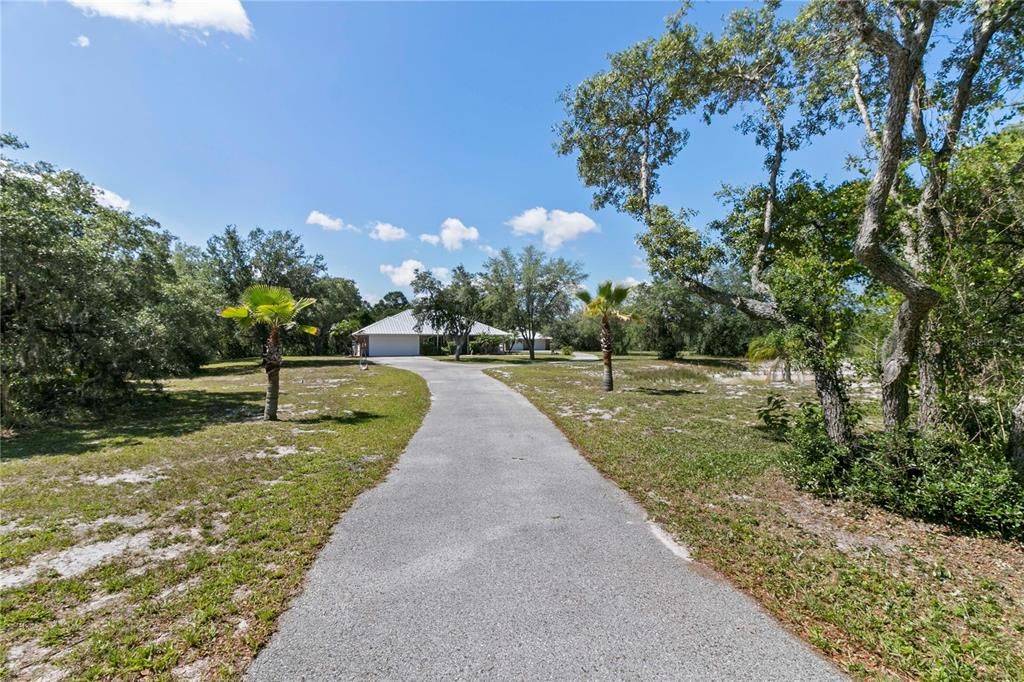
453, 233
328, 222
105, 197
216, 15
443, 274
81, 41
431, 239
489, 250
630, 282
402, 275
386, 232
556, 226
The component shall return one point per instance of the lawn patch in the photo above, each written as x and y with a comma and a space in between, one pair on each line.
167, 541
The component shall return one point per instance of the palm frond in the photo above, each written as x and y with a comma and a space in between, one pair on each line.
235, 313
264, 294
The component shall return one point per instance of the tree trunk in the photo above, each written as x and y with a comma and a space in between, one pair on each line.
272, 364
831, 390
606, 352
529, 343
897, 359
787, 371
1017, 438
929, 412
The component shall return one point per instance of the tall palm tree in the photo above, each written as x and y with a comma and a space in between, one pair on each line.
277, 309
606, 305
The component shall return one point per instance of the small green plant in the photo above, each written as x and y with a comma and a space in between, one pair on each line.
567, 351
774, 414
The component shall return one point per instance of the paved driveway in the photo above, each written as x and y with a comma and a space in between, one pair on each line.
495, 551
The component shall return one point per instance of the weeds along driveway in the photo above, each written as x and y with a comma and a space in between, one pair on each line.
493, 549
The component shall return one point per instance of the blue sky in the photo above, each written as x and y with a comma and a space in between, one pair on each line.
404, 114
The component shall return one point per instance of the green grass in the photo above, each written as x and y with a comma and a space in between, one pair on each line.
506, 358
221, 513
884, 596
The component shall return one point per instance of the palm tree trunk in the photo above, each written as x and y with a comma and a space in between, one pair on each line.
272, 365
606, 352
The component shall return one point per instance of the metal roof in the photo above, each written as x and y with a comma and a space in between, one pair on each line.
405, 323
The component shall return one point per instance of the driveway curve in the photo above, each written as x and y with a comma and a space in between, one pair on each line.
494, 550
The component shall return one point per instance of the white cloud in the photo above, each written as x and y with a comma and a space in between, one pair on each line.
104, 197
556, 226
443, 274
81, 41
328, 223
402, 275
453, 233
371, 298
217, 15
489, 250
431, 239
386, 232
629, 282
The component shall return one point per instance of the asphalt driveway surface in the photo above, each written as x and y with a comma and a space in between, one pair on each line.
495, 551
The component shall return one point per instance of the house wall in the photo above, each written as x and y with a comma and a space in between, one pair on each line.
382, 345
538, 344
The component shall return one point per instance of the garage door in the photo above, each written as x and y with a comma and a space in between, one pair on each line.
382, 345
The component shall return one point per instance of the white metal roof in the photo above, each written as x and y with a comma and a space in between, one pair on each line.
405, 323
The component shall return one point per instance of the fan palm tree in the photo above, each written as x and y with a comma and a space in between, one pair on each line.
606, 305
777, 346
262, 304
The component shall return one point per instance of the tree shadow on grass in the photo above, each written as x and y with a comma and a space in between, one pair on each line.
646, 390
164, 414
351, 417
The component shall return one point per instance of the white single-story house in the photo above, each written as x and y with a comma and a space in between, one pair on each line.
398, 335
540, 342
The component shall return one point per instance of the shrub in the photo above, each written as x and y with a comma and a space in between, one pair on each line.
567, 350
818, 464
944, 477
774, 414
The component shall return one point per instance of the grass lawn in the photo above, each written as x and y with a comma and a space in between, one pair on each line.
506, 358
885, 597
166, 541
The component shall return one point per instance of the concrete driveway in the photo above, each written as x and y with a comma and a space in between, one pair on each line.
495, 551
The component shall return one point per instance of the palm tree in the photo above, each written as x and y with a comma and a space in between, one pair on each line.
606, 305
274, 307
778, 346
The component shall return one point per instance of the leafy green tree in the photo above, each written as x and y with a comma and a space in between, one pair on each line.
337, 300
879, 63
451, 309
341, 334
93, 299
669, 317
275, 257
528, 291
276, 309
391, 303
751, 65
606, 305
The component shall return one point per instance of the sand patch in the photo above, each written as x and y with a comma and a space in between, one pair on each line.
133, 521
74, 560
133, 476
